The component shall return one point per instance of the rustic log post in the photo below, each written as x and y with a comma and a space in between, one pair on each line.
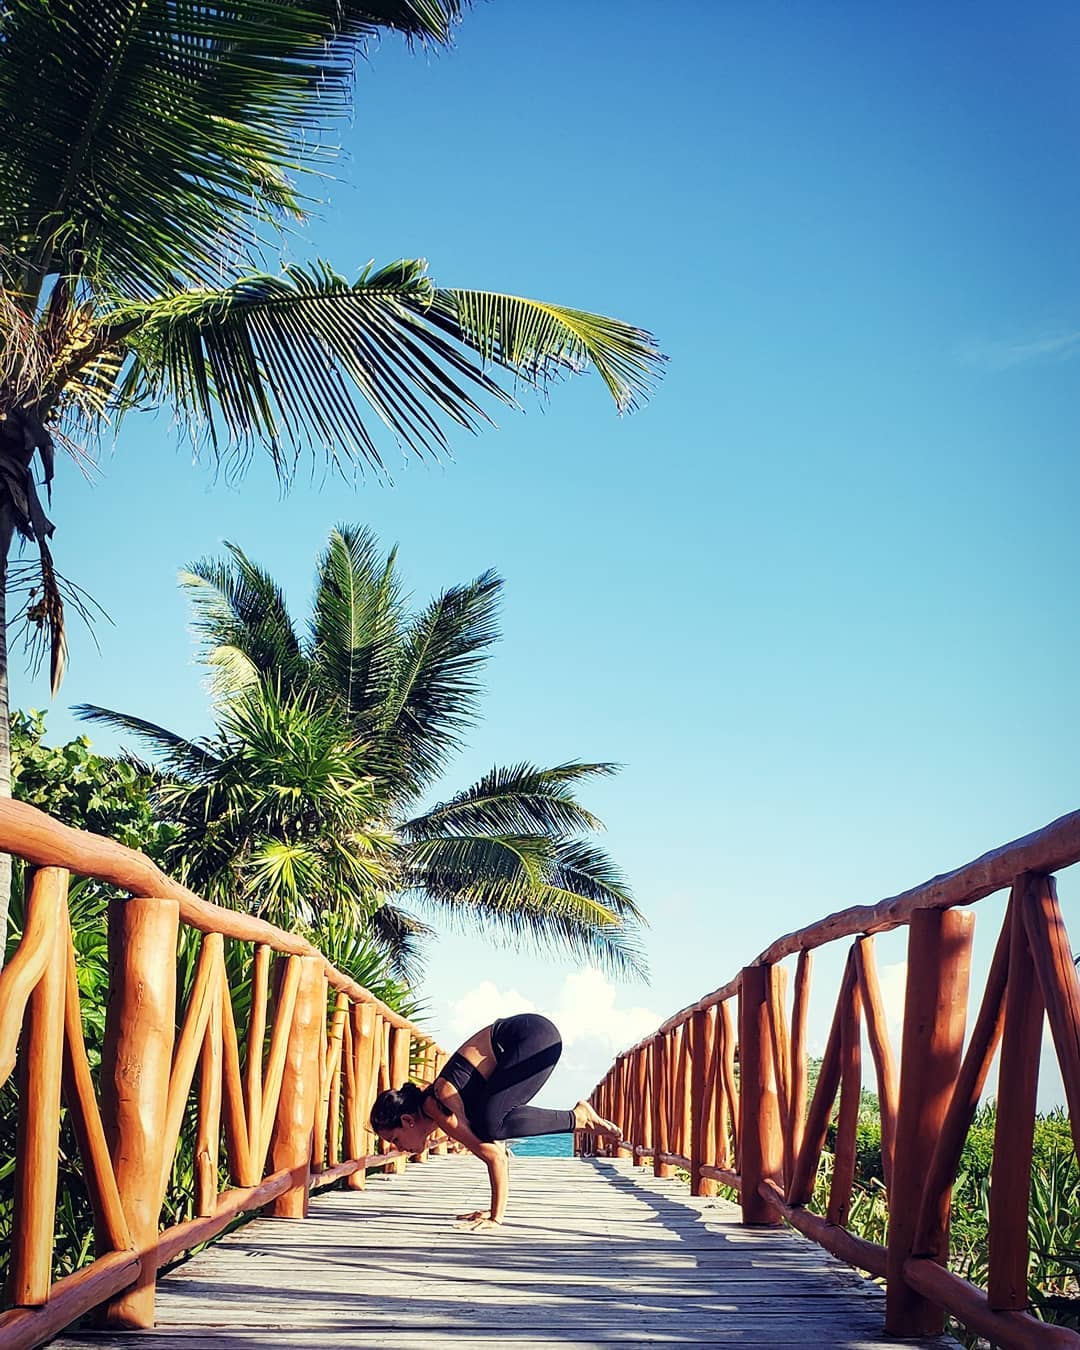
383, 1062
350, 1128
877, 1034
326, 1120
40, 1065
683, 1119
362, 1027
804, 1174
294, 1122
236, 1129
426, 1076
1014, 1128
208, 1127
260, 974
727, 1068
780, 1052
441, 1147
935, 1010
400, 1046
759, 1112
847, 1121
111, 1232
643, 1113
333, 1121
660, 1099
702, 1101
799, 1013
624, 1106
140, 1027
1052, 952
932, 1230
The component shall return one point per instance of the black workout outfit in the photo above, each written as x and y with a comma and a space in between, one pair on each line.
527, 1047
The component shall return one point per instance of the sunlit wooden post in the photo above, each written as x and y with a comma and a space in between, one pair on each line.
779, 1050
626, 1105
702, 1099
442, 1145
332, 1085
41, 1053
1014, 1128
384, 1062
728, 1046
140, 1028
400, 1046
643, 1112
603, 1105
291, 1143
683, 1126
799, 1012
759, 1113
660, 1106
362, 1020
935, 1011
425, 1077
208, 1135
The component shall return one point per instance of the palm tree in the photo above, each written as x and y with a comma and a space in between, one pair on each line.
305, 803
152, 155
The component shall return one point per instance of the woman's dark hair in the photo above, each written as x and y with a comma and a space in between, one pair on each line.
394, 1103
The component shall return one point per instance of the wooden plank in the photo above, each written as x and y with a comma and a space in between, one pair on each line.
595, 1252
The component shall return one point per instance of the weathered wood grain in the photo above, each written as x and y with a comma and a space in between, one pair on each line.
594, 1253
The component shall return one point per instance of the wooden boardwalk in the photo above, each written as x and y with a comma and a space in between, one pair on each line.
594, 1253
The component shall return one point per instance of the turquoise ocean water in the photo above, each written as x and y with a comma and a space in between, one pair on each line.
544, 1146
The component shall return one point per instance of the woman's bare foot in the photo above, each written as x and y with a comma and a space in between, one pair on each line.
585, 1118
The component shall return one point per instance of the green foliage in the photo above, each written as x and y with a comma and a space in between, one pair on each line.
83, 789
111, 797
305, 802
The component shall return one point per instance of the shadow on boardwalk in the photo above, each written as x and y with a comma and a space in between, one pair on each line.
594, 1254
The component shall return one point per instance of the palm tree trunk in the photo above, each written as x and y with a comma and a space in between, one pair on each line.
7, 530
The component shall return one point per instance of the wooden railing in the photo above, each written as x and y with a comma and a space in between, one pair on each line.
681, 1100
293, 1107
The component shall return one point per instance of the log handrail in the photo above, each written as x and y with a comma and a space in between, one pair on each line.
758, 1133
317, 1048
37, 838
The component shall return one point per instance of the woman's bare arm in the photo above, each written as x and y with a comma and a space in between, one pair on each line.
492, 1155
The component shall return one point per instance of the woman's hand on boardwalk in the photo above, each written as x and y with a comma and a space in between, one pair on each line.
482, 1225
476, 1214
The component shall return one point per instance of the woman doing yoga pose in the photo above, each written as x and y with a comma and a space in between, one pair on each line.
480, 1098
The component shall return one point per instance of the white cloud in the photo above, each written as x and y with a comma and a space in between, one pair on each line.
482, 1005
586, 1012
991, 354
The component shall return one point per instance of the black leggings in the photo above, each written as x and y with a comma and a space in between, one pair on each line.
527, 1047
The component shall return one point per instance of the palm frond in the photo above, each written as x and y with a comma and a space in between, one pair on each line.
239, 611
449, 865
356, 624
539, 341
543, 920
291, 362
175, 753
519, 799
532, 889
149, 139
436, 688
580, 868
400, 937
307, 360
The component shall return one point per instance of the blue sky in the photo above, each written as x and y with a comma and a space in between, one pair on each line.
818, 597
